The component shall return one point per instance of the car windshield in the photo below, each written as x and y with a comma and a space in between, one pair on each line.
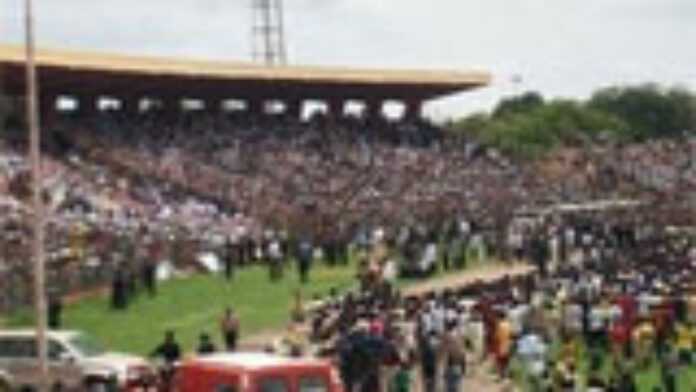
86, 345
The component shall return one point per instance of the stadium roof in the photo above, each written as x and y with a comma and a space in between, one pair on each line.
73, 72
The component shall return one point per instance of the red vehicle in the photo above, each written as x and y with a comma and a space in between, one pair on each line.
256, 372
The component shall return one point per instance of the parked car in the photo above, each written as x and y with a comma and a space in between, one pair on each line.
256, 372
76, 362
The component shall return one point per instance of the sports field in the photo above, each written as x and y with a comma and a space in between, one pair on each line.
195, 304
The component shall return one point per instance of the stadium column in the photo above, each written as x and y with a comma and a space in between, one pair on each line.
214, 105
336, 107
130, 105
293, 109
255, 106
89, 105
414, 109
171, 105
374, 108
47, 105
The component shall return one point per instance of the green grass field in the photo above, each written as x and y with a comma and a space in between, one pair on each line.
194, 305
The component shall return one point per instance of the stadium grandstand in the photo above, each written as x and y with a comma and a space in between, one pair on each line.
120, 160
88, 78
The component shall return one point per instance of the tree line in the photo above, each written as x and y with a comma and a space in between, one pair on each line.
529, 126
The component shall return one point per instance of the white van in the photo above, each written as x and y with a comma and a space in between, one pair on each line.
76, 362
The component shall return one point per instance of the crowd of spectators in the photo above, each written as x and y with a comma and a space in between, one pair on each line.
155, 195
171, 187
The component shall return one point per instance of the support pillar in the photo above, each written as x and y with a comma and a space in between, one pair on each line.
293, 109
130, 105
214, 105
374, 109
171, 106
88, 105
336, 108
414, 110
255, 107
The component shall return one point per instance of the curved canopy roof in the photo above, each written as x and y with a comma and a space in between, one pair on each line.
73, 72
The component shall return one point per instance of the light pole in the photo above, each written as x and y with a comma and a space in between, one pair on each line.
35, 158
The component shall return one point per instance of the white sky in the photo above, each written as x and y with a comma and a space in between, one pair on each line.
559, 47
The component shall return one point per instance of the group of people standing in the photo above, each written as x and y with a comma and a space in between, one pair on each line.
170, 352
590, 323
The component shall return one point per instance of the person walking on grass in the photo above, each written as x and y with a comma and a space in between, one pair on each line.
231, 252
305, 254
55, 309
149, 276
229, 326
275, 260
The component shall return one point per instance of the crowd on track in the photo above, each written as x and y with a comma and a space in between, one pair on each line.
612, 305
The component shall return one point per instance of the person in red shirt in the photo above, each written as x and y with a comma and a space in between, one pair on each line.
620, 336
485, 308
629, 309
376, 326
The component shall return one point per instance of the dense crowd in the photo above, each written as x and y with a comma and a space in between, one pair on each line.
617, 304
132, 200
175, 189
124, 189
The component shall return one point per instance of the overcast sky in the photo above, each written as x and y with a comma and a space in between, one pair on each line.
564, 48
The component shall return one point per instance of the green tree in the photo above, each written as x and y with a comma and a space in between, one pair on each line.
527, 125
557, 123
520, 104
649, 110
471, 125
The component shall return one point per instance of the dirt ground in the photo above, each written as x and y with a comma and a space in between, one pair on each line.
485, 273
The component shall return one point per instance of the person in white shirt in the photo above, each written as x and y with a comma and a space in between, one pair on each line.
275, 258
464, 228
429, 259
390, 272
476, 335
426, 321
531, 351
438, 314
598, 323
515, 243
646, 300
518, 315
615, 314
572, 317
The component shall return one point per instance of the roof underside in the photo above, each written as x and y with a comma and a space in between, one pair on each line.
69, 72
